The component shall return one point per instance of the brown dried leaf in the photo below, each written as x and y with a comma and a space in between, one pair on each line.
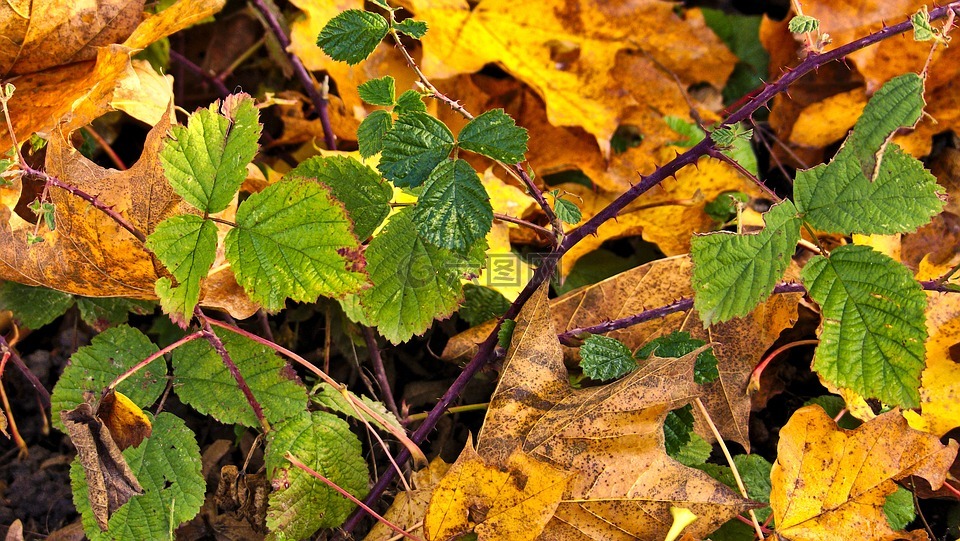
110, 481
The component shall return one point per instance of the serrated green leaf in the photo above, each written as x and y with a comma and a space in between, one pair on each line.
304, 504
293, 240
567, 211
186, 245
727, 136
110, 354
412, 28
922, 31
873, 331
855, 193
803, 23
899, 509
330, 398
678, 344
371, 131
494, 134
453, 210
167, 465
413, 148
677, 427
755, 473
33, 307
206, 160
351, 36
603, 358
380, 91
413, 280
410, 101
199, 373
102, 313
693, 453
733, 273
505, 334
482, 304
361, 190
738, 149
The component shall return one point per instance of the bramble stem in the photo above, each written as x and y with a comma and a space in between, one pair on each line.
379, 371
187, 64
140, 365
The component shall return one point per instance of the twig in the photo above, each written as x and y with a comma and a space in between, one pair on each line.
572, 337
313, 473
6, 348
188, 65
379, 372
319, 103
11, 420
105, 146
720, 155
753, 384
524, 223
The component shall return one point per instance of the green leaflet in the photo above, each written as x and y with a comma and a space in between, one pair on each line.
738, 146
412, 28
755, 473
371, 131
873, 332
186, 244
206, 160
494, 134
361, 190
353, 35
167, 465
293, 240
899, 509
603, 358
733, 273
677, 427
482, 304
103, 312
678, 344
304, 504
693, 453
110, 354
379, 91
453, 211
803, 23
409, 102
567, 211
856, 194
413, 280
330, 398
413, 148
199, 373
33, 307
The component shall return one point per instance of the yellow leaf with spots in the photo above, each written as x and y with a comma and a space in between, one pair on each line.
940, 380
831, 484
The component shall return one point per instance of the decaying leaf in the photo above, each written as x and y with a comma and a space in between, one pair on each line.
940, 380
244, 496
409, 507
607, 439
127, 424
830, 483
110, 482
738, 344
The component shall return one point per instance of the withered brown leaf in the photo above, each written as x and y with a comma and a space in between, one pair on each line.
110, 481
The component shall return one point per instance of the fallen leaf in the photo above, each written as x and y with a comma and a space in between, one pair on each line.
244, 496
127, 424
607, 439
410, 506
940, 380
738, 344
830, 483
110, 481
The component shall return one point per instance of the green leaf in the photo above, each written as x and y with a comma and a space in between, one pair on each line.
199, 373
186, 245
110, 354
412, 28
736, 140
494, 134
482, 304
379, 91
410, 101
453, 210
603, 358
724, 207
803, 23
899, 509
567, 211
33, 307
413, 148
304, 504
371, 131
206, 160
361, 190
855, 193
330, 398
873, 331
167, 465
293, 240
833, 405
413, 280
755, 473
693, 453
727, 136
505, 334
102, 313
678, 344
351, 36
733, 273
677, 427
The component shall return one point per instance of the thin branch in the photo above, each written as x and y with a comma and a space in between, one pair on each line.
5, 348
319, 103
720, 155
188, 65
379, 372
105, 146
524, 223
140, 365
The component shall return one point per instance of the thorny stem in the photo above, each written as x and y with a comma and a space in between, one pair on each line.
319, 102
379, 371
720, 155
140, 365
217, 345
313, 473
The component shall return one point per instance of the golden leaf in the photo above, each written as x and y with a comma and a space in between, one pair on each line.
127, 424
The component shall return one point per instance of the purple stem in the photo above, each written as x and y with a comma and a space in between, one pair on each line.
319, 103
378, 370
187, 64
31, 377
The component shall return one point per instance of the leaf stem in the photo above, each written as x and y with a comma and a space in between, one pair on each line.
217, 345
715, 152
105, 146
140, 365
319, 102
455, 409
313, 473
753, 384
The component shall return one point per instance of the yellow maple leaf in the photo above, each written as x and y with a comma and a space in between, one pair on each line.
831, 484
